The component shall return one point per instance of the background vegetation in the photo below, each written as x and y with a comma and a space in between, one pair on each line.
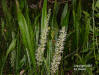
28, 26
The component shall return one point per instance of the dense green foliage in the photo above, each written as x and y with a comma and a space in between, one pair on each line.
25, 29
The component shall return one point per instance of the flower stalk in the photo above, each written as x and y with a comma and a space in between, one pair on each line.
58, 51
43, 40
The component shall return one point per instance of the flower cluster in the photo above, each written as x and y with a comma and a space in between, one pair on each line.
58, 51
43, 40
12, 59
41, 47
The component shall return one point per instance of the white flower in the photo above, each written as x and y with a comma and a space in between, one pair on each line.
58, 51
43, 40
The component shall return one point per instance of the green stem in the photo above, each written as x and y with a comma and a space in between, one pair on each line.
93, 29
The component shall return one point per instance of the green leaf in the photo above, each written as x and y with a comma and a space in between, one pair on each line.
65, 16
11, 47
24, 28
97, 4
44, 15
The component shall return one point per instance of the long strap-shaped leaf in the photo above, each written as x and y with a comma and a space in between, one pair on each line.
44, 15
11, 47
65, 16
25, 34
